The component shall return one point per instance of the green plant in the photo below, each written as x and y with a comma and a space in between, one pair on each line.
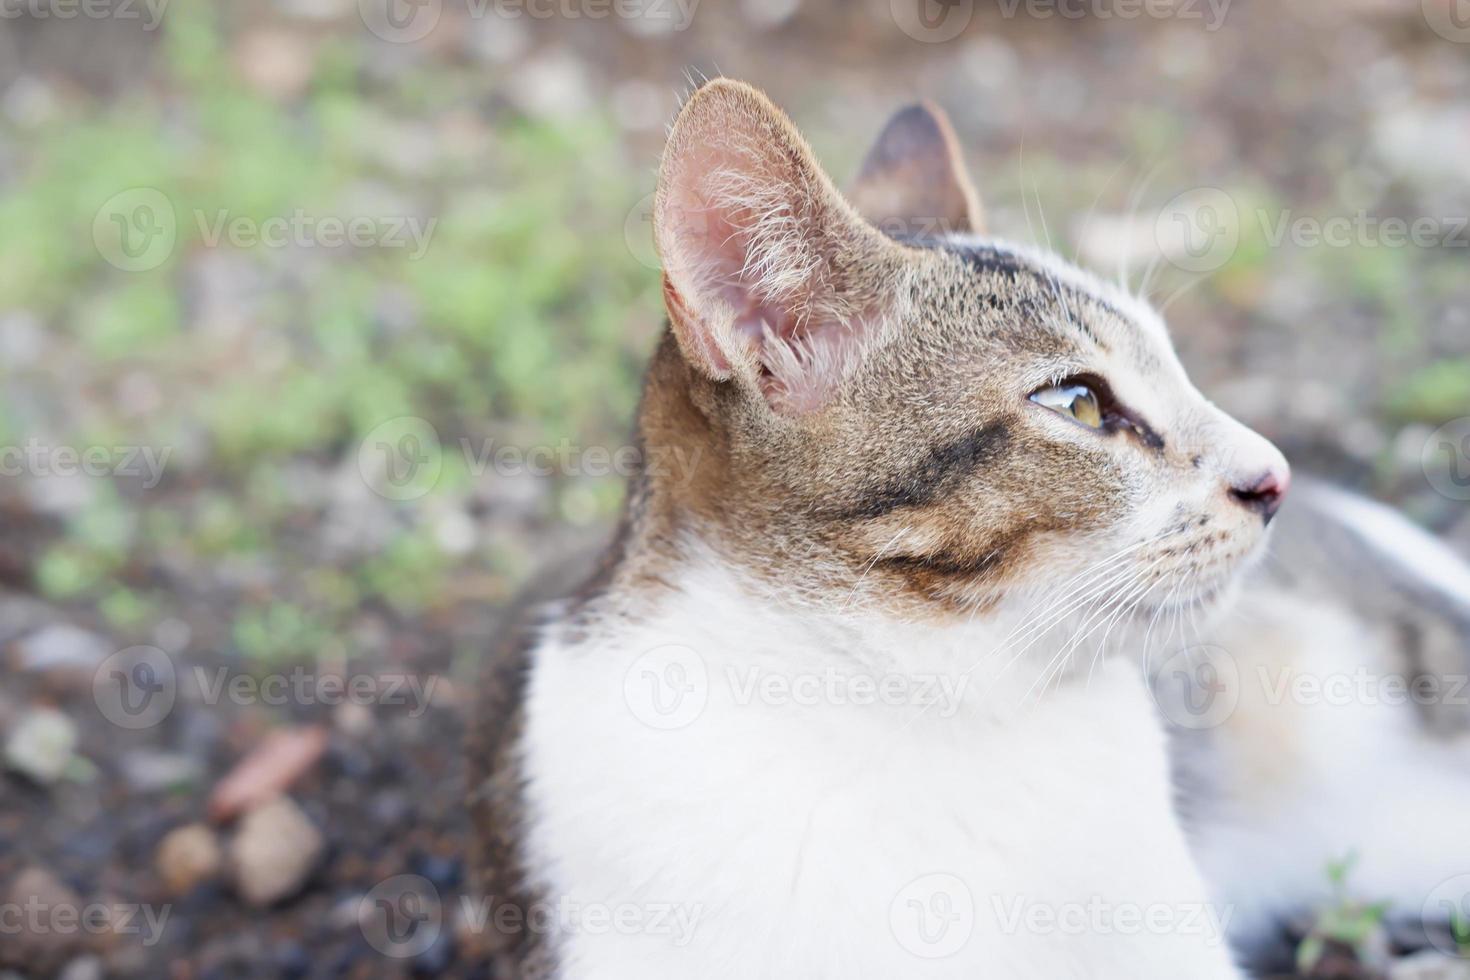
1344, 921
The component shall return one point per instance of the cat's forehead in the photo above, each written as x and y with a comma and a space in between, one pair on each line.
1051, 299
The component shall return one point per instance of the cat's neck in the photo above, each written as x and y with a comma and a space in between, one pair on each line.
844, 647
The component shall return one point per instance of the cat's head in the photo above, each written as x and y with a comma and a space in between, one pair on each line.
944, 418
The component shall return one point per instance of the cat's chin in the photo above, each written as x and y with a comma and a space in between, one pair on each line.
1204, 598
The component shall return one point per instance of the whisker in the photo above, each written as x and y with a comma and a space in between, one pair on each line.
870, 565
1119, 605
1092, 210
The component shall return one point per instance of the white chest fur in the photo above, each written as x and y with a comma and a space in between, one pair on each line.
732, 793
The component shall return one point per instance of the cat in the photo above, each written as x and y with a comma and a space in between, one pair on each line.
866, 695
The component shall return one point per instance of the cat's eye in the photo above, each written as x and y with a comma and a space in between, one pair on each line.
1074, 400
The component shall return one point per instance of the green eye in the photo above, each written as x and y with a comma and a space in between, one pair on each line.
1076, 401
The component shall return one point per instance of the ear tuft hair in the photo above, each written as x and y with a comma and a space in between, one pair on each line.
769, 275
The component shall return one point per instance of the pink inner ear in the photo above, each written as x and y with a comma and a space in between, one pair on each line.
715, 248
739, 231
801, 359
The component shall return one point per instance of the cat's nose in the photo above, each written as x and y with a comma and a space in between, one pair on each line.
1264, 492
1253, 472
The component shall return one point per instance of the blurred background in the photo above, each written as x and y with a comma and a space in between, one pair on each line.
321, 325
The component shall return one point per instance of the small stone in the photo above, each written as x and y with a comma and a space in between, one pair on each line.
455, 532
497, 40
61, 494
353, 718
148, 771
20, 615
318, 10
42, 951
1422, 141
553, 84
346, 913
64, 650
389, 808
83, 968
172, 635
1111, 240
42, 745
187, 857
1429, 964
276, 63
30, 102
274, 853
22, 339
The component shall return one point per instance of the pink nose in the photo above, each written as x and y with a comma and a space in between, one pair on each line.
1264, 493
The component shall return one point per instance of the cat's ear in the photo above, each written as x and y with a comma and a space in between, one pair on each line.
770, 276
914, 181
